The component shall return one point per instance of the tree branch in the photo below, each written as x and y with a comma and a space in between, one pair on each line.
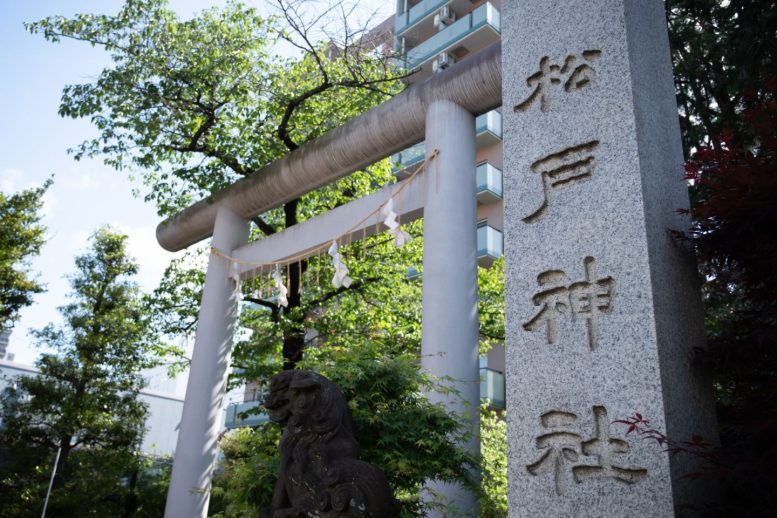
274, 308
293, 104
263, 225
355, 286
229, 161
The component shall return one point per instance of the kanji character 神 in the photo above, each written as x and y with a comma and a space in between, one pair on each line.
591, 298
587, 299
554, 299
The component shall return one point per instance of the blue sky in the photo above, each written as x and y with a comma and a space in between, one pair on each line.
33, 146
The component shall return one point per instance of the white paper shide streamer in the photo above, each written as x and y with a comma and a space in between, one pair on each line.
390, 220
341, 271
282, 290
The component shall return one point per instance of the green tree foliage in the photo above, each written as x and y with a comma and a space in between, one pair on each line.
21, 237
84, 400
148, 480
491, 304
381, 305
245, 478
366, 339
724, 57
195, 105
493, 462
734, 220
720, 49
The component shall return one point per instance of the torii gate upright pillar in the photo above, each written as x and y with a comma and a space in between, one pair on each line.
450, 311
195, 451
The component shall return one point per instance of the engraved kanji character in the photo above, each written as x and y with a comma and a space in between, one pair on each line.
587, 299
541, 81
583, 74
591, 298
605, 448
554, 299
569, 166
550, 74
563, 448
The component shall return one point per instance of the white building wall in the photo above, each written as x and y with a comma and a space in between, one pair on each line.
164, 410
164, 418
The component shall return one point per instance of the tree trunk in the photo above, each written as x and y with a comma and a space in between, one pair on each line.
293, 339
131, 502
61, 471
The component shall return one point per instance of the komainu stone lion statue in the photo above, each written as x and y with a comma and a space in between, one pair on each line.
320, 472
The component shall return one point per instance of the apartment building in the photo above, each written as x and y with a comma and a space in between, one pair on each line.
5, 335
430, 36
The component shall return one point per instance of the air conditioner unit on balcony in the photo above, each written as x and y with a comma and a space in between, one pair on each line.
442, 62
447, 15
444, 17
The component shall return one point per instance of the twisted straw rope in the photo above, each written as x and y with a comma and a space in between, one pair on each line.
316, 250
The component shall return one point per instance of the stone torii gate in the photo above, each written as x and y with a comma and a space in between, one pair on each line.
442, 110
602, 310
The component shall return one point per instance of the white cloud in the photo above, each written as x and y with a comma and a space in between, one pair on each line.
86, 182
14, 180
50, 203
10, 180
78, 242
77, 180
151, 257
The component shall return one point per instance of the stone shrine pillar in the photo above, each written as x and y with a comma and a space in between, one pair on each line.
602, 304
201, 420
449, 346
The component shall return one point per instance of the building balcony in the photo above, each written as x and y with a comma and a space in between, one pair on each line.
489, 249
489, 178
490, 246
412, 273
422, 12
235, 412
469, 34
409, 157
488, 131
489, 183
492, 387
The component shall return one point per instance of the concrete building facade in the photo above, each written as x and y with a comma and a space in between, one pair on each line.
164, 410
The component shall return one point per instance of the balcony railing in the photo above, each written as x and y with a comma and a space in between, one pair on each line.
489, 183
419, 11
234, 411
486, 16
488, 130
490, 247
412, 273
492, 387
412, 155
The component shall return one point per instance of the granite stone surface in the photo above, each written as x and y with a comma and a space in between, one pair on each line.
602, 305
